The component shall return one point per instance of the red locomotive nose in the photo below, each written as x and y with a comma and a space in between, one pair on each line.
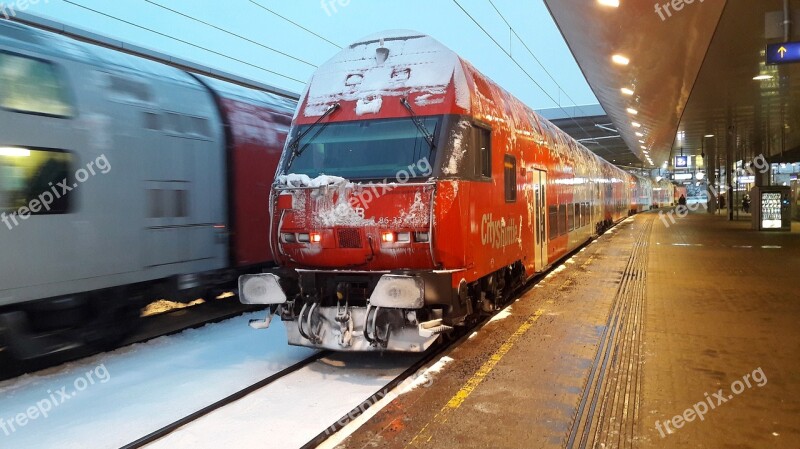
368, 226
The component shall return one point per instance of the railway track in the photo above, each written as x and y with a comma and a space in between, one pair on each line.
169, 428
151, 327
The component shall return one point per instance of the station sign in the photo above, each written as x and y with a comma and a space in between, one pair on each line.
783, 53
681, 161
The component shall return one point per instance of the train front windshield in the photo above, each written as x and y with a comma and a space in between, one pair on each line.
369, 149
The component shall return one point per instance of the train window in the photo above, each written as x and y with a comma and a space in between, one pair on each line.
173, 122
483, 142
562, 219
584, 214
571, 216
32, 86
199, 126
27, 180
151, 121
167, 203
510, 178
130, 89
552, 219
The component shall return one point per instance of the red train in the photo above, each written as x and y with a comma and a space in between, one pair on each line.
414, 193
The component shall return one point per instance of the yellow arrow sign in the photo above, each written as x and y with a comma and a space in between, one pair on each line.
782, 51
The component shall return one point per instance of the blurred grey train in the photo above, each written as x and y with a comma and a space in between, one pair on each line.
122, 181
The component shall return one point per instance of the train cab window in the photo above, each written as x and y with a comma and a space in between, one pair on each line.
483, 144
32, 86
552, 219
30, 181
510, 178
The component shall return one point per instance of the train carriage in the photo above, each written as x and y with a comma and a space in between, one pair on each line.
414, 193
160, 176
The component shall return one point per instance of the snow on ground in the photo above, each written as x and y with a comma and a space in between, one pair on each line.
293, 411
112, 399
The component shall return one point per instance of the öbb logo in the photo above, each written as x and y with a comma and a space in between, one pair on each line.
498, 233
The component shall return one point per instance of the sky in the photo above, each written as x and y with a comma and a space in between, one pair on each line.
247, 40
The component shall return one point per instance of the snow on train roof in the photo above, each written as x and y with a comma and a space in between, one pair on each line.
415, 63
249, 95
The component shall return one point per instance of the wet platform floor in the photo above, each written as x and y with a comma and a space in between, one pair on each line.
655, 335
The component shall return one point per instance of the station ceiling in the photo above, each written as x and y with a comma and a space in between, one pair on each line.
591, 126
691, 72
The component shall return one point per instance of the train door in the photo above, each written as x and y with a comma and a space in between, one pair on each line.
540, 197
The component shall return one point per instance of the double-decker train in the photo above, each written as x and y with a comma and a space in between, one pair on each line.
122, 181
414, 193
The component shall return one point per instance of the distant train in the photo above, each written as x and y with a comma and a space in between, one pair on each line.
122, 180
414, 193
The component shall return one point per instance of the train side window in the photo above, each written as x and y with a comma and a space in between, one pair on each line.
510, 178
562, 219
584, 214
32, 86
483, 144
30, 181
571, 216
552, 219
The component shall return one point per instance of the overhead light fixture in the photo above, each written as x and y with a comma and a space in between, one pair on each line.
708, 136
620, 60
643, 147
762, 77
627, 91
641, 141
636, 124
632, 111
611, 3
638, 134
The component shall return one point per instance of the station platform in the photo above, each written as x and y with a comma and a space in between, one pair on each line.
652, 336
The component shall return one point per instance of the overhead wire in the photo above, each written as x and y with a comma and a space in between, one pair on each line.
517, 63
184, 41
295, 24
195, 19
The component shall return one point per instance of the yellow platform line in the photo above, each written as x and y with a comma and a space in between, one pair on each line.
455, 402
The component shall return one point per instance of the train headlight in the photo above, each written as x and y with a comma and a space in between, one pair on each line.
399, 292
303, 238
404, 237
315, 237
260, 289
388, 237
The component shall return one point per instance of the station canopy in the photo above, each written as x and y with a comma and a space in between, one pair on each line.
693, 78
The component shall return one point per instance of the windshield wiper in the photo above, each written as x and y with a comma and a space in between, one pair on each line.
420, 125
294, 145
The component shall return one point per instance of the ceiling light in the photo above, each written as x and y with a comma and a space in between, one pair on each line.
627, 91
708, 136
641, 141
638, 134
620, 60
612, 3
632, 111
762, 77
643, 147
636, 124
